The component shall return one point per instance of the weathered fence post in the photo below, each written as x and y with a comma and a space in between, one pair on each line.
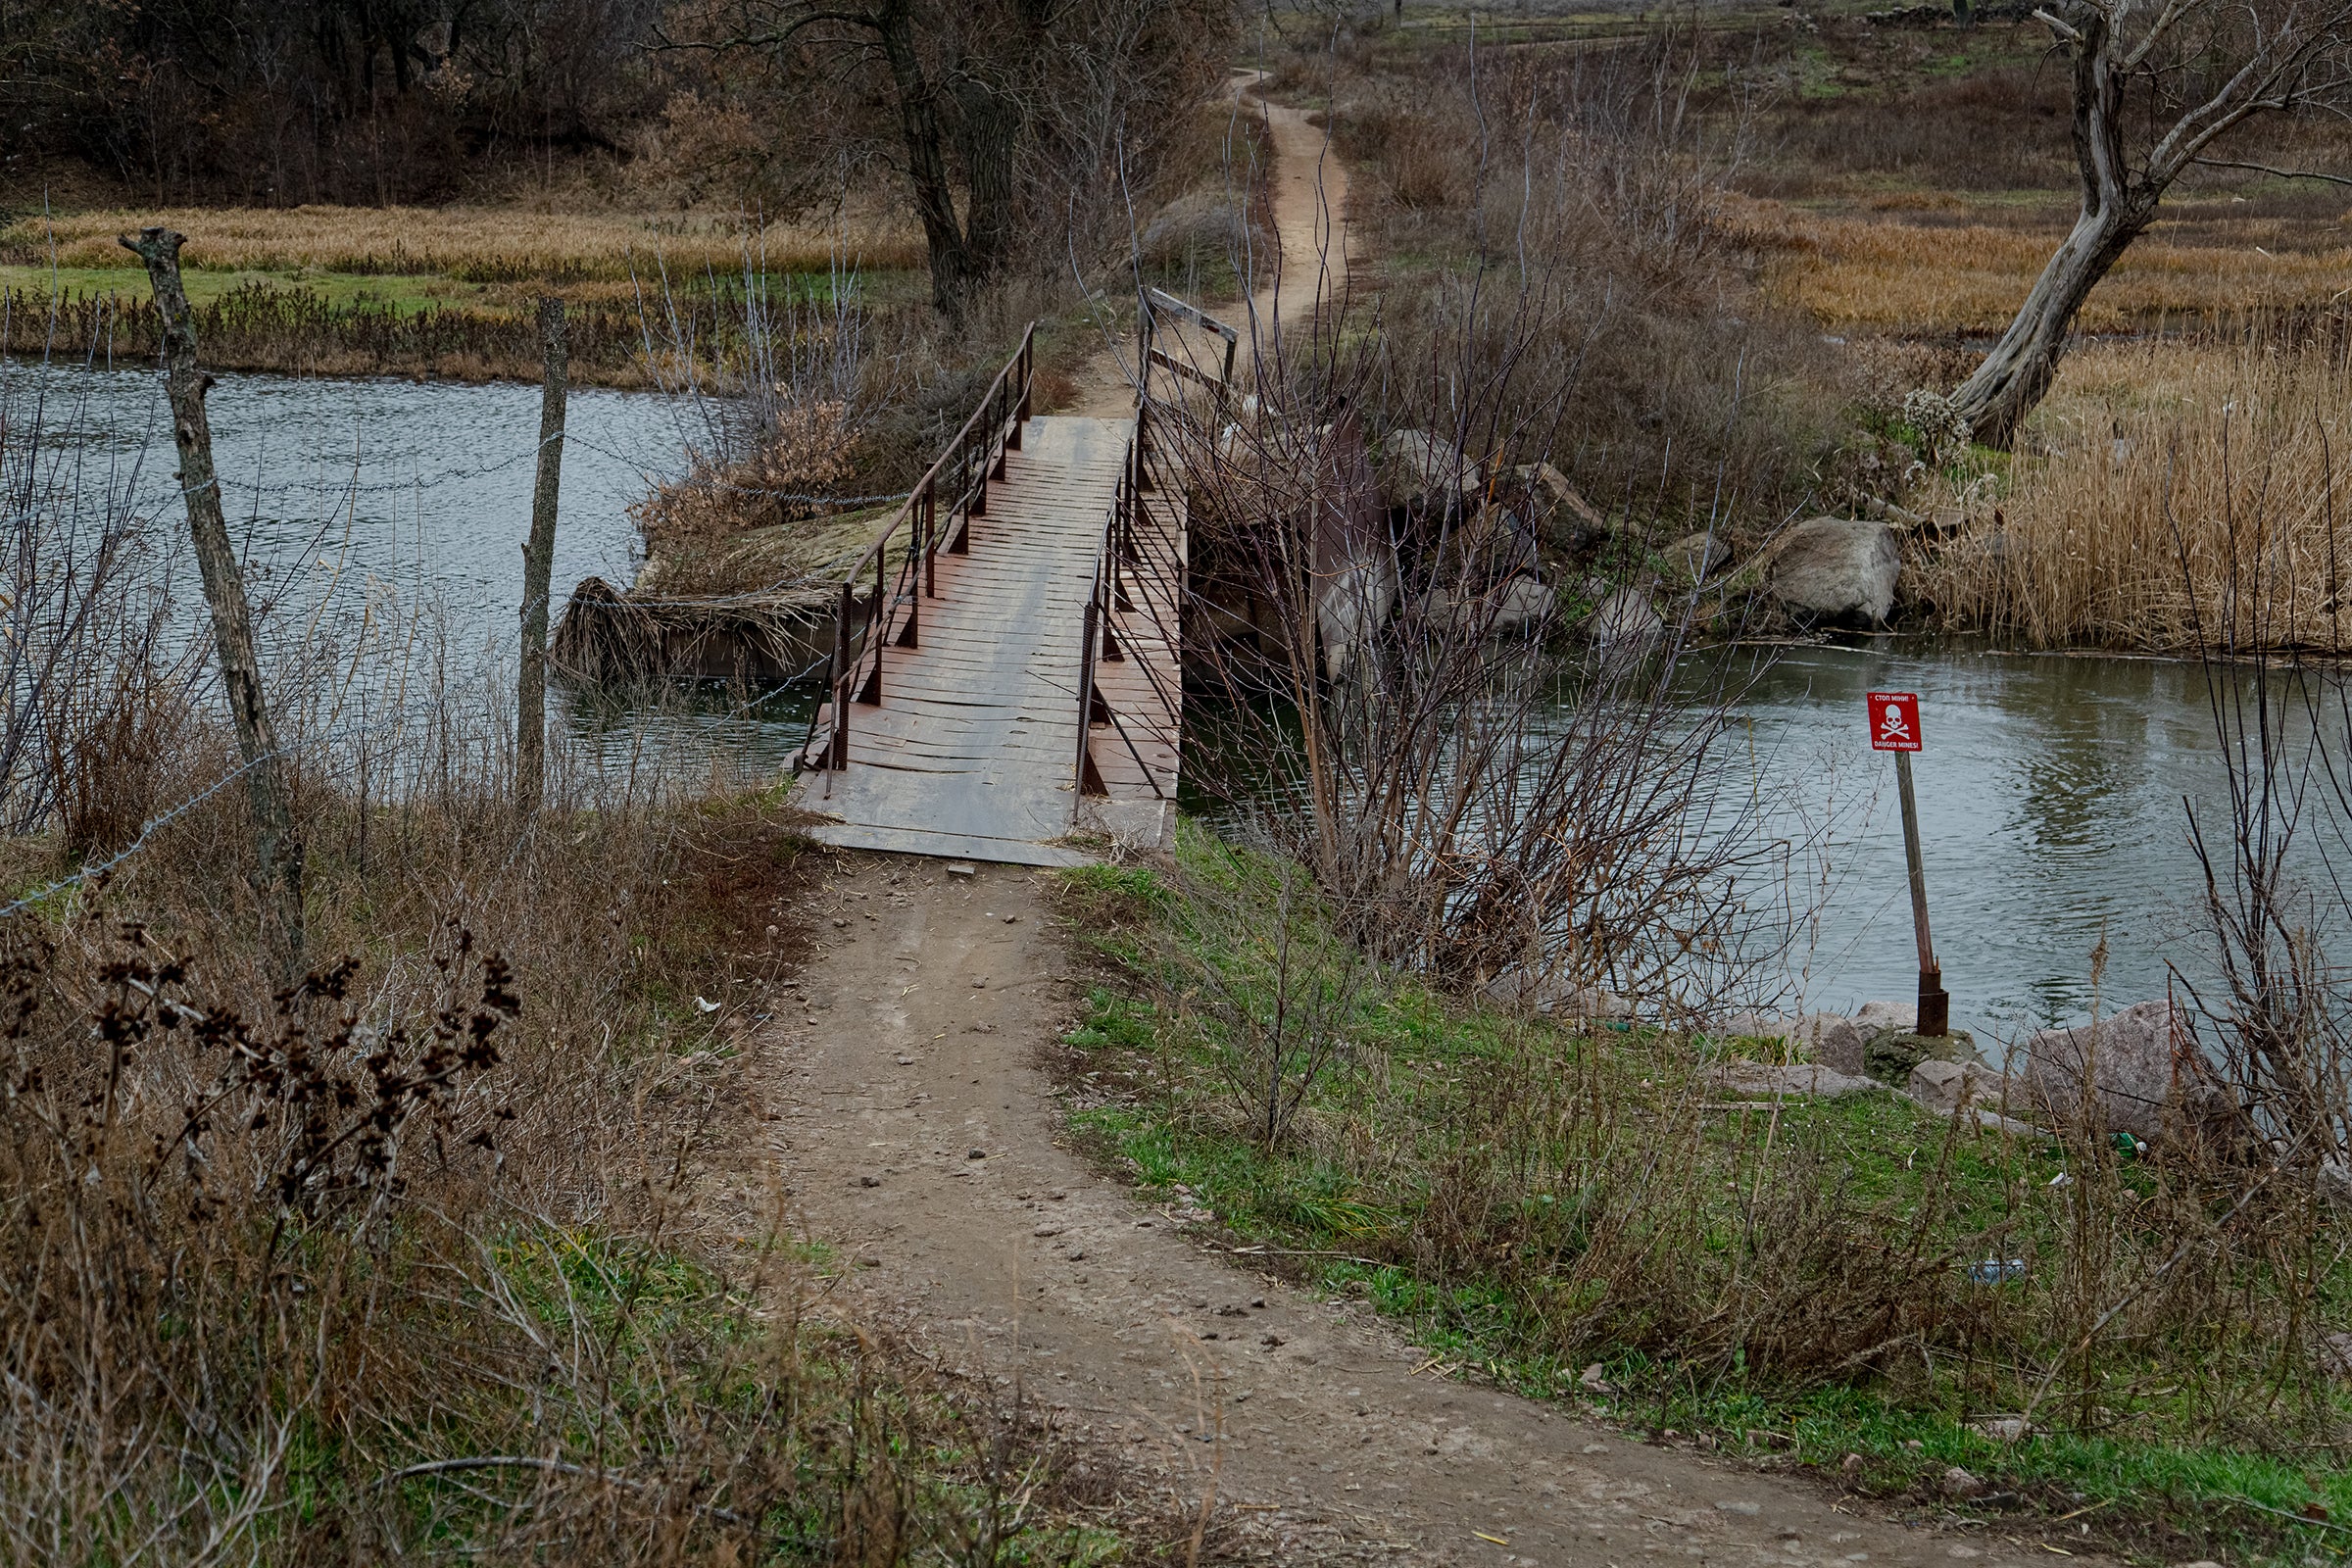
538, 562
277, 879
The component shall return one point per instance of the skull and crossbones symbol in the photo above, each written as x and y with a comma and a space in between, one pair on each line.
1892, 727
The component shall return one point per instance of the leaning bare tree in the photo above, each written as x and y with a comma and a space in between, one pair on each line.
269, 789
538, 560
2155, 86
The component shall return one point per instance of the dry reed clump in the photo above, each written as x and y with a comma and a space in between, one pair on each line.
446, 1246
809, 450
765, 522
2164, 485
477, 245
1923, 279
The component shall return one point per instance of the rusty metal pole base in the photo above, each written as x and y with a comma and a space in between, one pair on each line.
1935, 1005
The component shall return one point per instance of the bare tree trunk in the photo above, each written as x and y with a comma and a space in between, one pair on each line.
2013, 378
278, 870
987, 137
953, 269
538, 562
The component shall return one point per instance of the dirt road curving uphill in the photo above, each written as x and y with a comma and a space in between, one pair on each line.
919, 1137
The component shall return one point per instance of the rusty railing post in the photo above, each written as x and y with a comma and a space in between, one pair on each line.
1000, 445
842, 677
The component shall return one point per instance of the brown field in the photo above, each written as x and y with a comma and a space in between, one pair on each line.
1887, 274
474, 244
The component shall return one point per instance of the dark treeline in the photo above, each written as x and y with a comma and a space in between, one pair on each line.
280, 102
991, 113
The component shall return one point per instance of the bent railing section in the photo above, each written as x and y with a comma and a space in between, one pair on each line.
1157, 303
937, 515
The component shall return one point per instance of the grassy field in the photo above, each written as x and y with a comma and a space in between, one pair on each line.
1888, 272
1576, 1214
405, 293
463, 245
359, 291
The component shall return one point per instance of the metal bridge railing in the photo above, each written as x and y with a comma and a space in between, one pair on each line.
892, 615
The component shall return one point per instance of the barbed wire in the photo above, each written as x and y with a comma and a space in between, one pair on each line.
147, 829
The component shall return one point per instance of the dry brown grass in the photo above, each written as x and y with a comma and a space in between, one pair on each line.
1925, 279
2161, 482
475, 244
470, 1247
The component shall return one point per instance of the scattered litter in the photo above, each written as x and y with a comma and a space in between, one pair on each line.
2002, 1428
962, 868
1997, 1271
2062, 1178
704, 1004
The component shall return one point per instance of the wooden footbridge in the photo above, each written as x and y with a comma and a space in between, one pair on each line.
1006, 666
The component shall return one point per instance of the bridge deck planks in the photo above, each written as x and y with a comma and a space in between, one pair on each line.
974, 748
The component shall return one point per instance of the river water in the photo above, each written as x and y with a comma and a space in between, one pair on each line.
2051, 789
2055, 795
403, 507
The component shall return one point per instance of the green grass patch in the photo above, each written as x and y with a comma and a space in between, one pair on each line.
1856, 1276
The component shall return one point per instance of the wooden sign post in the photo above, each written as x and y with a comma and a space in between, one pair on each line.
1895, 727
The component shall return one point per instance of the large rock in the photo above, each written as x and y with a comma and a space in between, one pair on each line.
1829, 1040
1571, 524
1700, 556
2131, 1062
1526, 604
1809, 1080
1539, 991
1521, 605
1835, 570
1877, 1017
1418, 468
1970, 1088
1625, 622
1890, 1054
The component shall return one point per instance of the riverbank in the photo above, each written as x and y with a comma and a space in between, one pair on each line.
1570, 1212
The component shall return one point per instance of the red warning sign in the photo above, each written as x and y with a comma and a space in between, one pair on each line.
1894, 721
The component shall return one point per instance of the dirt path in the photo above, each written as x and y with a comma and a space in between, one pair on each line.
919, 1135
1309, 201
